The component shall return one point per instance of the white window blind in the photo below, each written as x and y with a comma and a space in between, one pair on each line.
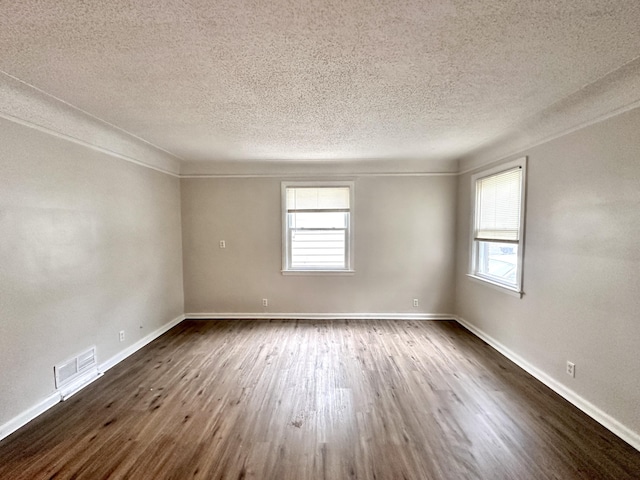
498, 206
318, 225
317, 198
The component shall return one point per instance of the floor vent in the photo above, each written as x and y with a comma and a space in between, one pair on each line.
76, 373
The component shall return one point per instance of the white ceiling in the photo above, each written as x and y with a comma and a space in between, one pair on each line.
232, 80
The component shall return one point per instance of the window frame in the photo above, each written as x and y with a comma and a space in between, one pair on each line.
474, 245
349, 237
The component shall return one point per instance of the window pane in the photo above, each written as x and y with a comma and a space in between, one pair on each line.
318, 220
498, 261
318, 248
317, 226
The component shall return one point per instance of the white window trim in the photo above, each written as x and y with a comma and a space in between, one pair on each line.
473, 251
350, 237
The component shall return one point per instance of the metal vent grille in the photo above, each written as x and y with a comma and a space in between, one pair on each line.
69, 371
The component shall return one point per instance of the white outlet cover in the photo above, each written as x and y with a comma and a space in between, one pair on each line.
571, 369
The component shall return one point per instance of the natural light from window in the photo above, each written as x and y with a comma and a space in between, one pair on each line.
498, 224
317, 233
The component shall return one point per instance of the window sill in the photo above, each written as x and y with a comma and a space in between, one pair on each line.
318, 272
497, 286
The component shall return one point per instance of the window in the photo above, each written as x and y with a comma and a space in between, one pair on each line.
317, 227
498, 225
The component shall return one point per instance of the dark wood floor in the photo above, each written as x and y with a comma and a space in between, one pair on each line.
314, 400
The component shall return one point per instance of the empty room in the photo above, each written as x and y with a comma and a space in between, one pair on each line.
319, 240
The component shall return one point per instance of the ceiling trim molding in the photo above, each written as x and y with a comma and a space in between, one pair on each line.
81, 142
348, 167
31, 107
550, 138
320, 174
611, 95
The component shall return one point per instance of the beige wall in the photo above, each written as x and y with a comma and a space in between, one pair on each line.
581, 267
89, 245
404, 234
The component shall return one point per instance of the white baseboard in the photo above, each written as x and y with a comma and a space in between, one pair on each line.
25, 417
319, 316
131, 349
606, 420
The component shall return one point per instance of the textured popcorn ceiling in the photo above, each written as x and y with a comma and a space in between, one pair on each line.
227, 80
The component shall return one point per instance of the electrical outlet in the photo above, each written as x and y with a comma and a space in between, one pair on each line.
571, 369
122, 335
223, 244
265, 302
415, 302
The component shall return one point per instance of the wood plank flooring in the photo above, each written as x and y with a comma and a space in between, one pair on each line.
316, 400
